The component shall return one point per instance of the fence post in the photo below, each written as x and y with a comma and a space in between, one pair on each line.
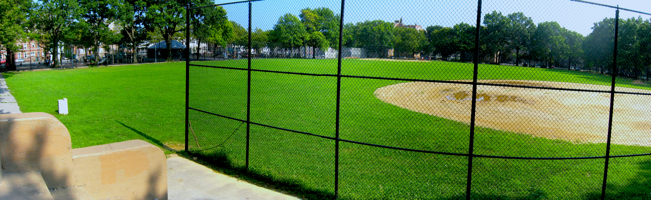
612, 102
187, 71
474, 103
341, 36
248, 94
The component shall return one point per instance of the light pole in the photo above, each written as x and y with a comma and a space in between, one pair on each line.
29, 48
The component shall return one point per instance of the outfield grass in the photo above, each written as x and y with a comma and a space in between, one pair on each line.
146, 102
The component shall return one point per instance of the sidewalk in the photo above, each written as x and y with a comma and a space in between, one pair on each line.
8, 104
189, 180
186, 180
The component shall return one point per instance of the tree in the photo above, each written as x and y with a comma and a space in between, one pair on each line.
240, 36
13, 20
549, 42
97, 17
464, 38
168, 19
54, 21
443, 42
408, 41
288, 32
574, 42
259, 39
211, 24
350, 33
430, 48
497, 29
317, 39
629, 59
598, 45
324, 21
644, 45
375, 36
520, 31
131, 18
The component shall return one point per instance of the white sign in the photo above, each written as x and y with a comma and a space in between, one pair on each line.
63, 106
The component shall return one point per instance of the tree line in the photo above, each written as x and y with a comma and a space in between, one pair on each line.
511, 38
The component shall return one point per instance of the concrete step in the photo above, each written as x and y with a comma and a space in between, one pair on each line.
24, 185
189, 180
70, 193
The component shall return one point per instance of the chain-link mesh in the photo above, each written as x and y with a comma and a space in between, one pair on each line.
386, 109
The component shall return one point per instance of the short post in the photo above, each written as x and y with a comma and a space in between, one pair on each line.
63, 106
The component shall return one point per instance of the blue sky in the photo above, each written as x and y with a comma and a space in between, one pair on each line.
575, 16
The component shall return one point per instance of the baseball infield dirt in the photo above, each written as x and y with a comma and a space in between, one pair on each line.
568, 115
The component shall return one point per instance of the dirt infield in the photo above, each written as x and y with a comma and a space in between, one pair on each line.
572, 116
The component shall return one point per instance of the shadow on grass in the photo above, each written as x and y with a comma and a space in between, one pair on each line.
636, 188
220, 162
532, 195
147, 137
9, 74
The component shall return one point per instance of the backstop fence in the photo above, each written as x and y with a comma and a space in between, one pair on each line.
492, 100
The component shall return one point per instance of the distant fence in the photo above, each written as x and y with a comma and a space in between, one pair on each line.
241, 120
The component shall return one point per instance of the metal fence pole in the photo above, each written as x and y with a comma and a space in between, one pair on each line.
341, 36
248, 94
612, 102
474, 103
187, 71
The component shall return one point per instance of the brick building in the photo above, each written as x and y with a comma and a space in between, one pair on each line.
30, 52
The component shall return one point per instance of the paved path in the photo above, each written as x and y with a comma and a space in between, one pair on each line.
189, 180
8, 104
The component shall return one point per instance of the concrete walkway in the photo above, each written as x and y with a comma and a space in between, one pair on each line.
189, 180
8, 104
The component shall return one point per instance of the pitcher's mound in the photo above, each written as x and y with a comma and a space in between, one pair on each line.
568, 115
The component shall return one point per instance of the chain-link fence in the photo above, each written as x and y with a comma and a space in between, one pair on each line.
415, 99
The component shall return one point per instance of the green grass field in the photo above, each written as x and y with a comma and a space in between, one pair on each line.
146, 102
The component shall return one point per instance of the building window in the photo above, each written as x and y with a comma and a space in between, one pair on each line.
31, 54
19, 55
24, 46
33, 46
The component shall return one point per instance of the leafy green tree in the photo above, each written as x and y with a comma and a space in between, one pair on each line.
629, 57
644, 45
443, 42
574, 42
97, 16
598, 45
288, 32
324, 21
350, 33
520, 31
496, 34
131, 19
408, 41
430, 48
464, 38
317, 39
375, 36
168, 19
13, 20
550, 44
240, 34
53, 22
259, 39
210, 24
